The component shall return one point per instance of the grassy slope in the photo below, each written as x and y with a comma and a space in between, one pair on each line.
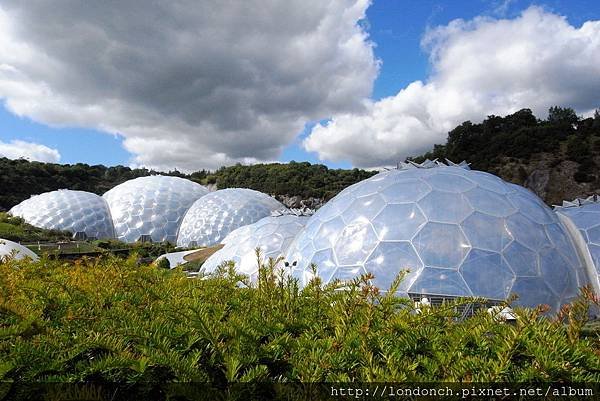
15, 229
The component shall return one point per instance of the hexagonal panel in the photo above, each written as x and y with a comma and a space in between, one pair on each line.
533, 291
523, 261
486, 232
328, 233
445, 207
398, 221
555, 270
389, 259
526, 231
489, 203
558, 236
370, 186
303, 256
595, 253
532, 208
433, 281
449, 182
441, 245
363, 207
407, 190
335, 207
487, 275
347, 273
490, 182
325, 263
593, 234
355, 243
582, 219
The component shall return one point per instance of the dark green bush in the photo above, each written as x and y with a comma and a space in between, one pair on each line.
107, 319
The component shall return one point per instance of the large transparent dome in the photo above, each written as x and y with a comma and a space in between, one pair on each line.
460, 232
271, 234
9, 249
582, 219
151, 206
74, 211
217, 214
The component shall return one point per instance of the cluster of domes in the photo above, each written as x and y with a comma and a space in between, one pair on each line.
457, 231
154, 208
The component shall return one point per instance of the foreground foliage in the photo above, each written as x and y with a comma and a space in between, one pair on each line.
108, 319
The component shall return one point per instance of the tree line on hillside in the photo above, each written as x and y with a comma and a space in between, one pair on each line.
293, 178
19, 179
521, 135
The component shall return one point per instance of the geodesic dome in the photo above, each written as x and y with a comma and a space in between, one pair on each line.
68, 210
9, 249
582, 219
271, 234
459, 232
217, 214
151, 206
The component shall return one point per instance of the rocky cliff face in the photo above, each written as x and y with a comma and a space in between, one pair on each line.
551, 177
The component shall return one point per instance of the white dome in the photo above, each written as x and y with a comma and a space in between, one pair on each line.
460, 232
67, 210
271, 234
583, 222
217, 214
9, 249
151, 206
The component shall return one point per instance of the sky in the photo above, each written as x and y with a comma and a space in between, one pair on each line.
189, 85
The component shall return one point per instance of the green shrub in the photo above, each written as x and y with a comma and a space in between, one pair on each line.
107, 319
163, 264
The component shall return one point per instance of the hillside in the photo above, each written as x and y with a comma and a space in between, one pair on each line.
19, 179
558, 158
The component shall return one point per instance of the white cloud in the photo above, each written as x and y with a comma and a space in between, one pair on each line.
28, 150
188, 84
479, 67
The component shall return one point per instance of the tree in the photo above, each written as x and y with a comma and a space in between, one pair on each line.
596, 123
562, 115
